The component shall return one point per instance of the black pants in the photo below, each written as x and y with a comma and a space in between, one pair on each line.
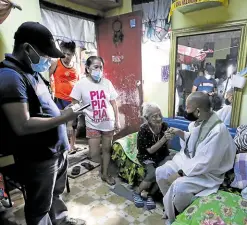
45, 182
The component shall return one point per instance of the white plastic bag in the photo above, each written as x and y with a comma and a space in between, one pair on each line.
238, 81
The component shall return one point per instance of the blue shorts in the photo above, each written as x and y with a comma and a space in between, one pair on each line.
61, 104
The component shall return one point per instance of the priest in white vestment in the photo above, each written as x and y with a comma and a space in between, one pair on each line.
207, 153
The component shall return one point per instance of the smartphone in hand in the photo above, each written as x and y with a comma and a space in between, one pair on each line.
79, 107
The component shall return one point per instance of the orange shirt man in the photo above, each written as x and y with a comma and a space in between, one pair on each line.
63, 77
64, 80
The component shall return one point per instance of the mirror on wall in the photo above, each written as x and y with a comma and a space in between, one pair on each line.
207, 62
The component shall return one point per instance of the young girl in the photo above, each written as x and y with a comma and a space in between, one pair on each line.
101, 117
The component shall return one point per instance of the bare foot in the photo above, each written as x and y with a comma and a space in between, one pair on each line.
108, 179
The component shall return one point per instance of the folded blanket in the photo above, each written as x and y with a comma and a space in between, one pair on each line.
240, 171
129, 146
125, 155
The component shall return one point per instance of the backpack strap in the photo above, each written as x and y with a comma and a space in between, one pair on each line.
46, 82
30, 89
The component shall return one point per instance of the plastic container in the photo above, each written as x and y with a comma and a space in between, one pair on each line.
238, 81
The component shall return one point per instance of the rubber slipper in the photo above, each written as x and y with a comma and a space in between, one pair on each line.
72, 152
88, 166
76, 170
150, 203
78, 149
139, 203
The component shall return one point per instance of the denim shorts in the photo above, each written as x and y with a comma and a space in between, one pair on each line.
61, 104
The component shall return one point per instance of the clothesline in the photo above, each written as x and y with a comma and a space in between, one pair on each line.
62, 38
212, 51
226, 48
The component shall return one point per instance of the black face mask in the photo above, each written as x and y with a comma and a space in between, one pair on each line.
190, 116
227, 102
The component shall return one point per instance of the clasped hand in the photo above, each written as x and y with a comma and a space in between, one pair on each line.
169, 135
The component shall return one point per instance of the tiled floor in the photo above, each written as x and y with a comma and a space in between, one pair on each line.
91, 199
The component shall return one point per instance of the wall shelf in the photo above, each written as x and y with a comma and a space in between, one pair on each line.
187, 6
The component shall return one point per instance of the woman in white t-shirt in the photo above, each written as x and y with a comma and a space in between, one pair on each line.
101, 117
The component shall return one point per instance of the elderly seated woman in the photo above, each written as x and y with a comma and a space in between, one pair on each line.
152, 152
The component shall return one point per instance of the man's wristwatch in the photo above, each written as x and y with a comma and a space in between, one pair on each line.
181, 173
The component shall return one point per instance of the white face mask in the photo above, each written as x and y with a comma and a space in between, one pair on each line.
42, 66
97, 75
208, 76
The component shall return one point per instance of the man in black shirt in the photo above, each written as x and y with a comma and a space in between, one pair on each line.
32, 127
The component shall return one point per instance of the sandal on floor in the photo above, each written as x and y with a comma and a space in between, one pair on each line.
75, 150
165, 217
150, 203
78, 149
72, 152
137, 198
109, 180
88, 166
76, 170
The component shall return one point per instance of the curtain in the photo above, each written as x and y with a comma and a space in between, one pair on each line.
68, 28
65, 27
